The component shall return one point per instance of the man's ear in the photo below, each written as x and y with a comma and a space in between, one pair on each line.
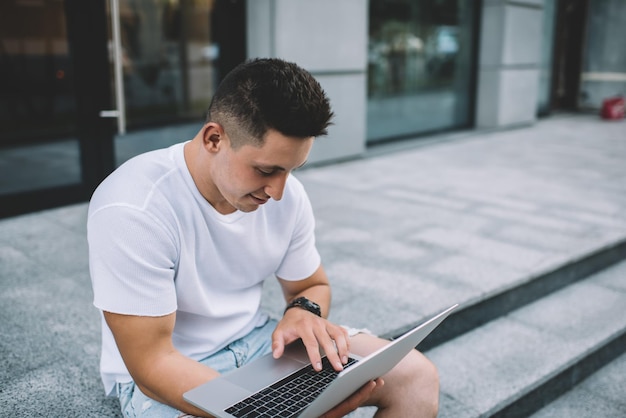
213, 136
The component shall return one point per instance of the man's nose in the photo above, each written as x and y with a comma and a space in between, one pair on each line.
276, 186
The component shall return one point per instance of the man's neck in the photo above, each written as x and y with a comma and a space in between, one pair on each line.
199, 170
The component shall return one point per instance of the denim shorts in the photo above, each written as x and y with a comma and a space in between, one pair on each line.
257, 343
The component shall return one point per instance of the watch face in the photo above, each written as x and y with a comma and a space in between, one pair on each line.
312, 306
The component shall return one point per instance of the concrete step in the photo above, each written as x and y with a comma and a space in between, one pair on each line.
600, 395
519, 362
517, 325
491, 305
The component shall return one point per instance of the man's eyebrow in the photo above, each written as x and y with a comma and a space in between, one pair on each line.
279, 168
271, 167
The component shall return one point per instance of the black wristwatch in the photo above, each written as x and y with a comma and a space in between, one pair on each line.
304, 303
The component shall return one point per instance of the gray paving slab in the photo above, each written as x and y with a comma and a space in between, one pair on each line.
408, 229
50, 334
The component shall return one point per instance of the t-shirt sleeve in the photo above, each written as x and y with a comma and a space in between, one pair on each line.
132, 258
302, 258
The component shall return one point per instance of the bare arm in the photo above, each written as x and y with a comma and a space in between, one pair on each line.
158, 369
316, 288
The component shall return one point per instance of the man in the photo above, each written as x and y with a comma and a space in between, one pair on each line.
181, 240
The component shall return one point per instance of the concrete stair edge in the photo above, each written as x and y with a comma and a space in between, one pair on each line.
489, 306
561, 380
556, 375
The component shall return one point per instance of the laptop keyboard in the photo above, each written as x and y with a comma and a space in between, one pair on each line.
289, 396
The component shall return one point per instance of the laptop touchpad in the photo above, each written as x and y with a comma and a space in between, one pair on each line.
263, 372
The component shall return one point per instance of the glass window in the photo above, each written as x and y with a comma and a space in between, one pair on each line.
174, 54
604, 61
420, 66
38, 147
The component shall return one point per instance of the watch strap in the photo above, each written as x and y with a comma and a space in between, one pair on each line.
306, 304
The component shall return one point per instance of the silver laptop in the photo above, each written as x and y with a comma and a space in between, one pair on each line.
289, 387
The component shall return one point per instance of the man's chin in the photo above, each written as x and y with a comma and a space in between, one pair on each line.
248, 209
247, 206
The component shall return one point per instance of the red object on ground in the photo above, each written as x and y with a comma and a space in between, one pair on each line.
613, 108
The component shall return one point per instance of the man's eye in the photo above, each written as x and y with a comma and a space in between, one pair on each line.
265, 172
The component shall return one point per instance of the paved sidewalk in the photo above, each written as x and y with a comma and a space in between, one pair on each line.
403, 232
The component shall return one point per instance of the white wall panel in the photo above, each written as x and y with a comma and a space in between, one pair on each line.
510, 54
346, 137
522, 35
322, 35
329, 39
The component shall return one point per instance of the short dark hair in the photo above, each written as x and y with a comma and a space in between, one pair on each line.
270, 93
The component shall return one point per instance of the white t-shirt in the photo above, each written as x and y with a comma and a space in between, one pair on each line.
157, 246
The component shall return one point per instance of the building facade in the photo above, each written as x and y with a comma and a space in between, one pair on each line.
86, 85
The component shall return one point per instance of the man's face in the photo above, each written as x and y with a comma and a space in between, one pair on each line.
249, 176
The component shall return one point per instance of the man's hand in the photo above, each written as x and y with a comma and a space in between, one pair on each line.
355, 400
316, 333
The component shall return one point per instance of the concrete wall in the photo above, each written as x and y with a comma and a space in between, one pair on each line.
329, 39
509, 62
